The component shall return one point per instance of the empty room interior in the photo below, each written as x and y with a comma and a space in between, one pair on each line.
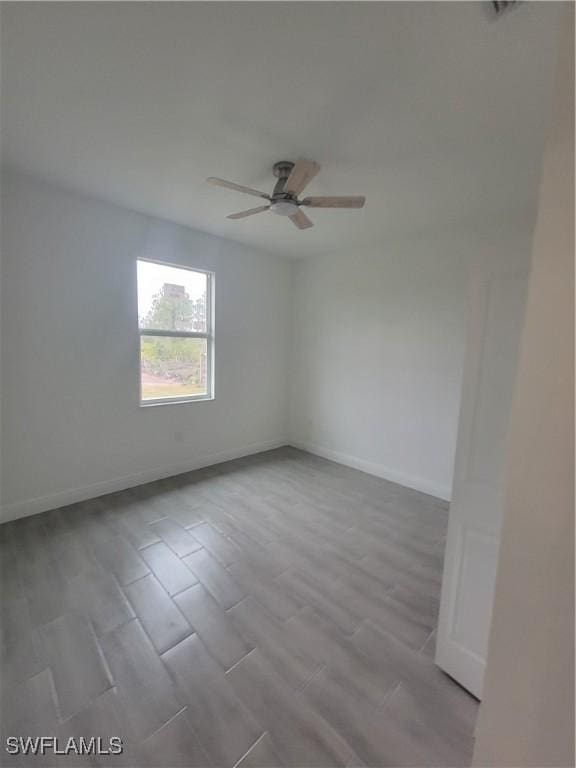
287, 384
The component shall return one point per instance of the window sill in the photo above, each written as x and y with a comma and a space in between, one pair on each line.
175, 401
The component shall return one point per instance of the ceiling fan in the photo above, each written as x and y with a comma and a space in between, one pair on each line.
292, 179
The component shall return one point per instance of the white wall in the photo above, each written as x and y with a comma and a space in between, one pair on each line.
72, 426
527, 713
378, 353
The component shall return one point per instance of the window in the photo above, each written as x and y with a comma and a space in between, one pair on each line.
176, 334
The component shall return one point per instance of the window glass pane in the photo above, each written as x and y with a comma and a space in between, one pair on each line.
172, 367
171, 299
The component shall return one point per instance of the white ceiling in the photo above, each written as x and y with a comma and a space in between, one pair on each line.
435, 111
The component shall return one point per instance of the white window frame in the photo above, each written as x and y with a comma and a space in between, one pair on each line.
208, 335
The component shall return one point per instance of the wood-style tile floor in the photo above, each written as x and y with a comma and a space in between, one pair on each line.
277, 610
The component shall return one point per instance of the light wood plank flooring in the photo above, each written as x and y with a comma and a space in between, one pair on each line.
277, 610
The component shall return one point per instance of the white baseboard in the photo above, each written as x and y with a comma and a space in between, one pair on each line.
28, 507
394, 476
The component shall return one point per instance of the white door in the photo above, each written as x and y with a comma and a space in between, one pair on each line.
496, 314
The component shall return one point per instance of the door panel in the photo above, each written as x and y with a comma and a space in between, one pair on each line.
496, 312
504, 298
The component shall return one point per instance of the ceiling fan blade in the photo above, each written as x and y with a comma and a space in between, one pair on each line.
301, 175
334, 202
236, 187
301, 220
251, 212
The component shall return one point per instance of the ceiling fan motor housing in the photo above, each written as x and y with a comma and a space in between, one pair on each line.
282, 169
